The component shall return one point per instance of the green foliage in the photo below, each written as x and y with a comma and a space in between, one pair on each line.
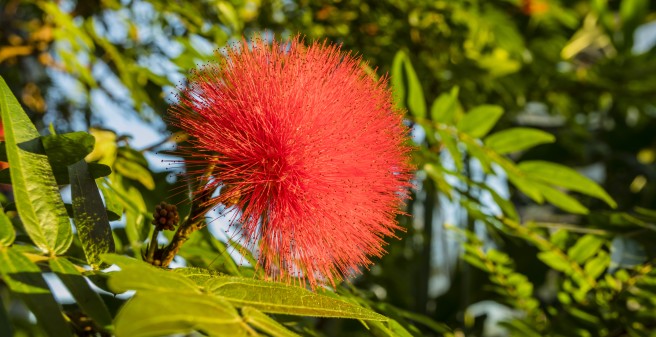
37, 199
517, 107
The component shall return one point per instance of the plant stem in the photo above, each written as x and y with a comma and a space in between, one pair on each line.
152, 246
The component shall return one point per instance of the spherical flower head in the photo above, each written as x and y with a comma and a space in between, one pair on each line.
308, 146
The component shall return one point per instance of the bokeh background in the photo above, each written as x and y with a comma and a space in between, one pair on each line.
583, 71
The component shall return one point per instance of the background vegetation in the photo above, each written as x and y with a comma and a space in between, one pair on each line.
536, 184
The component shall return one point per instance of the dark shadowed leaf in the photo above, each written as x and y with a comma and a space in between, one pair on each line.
88, 300
25, 280
35, 190
89, 214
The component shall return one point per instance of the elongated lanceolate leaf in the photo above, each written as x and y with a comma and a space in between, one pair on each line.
89, 214
517, 139
268, 297
38, 202
566, 177
25, 280
408, 92
277, 298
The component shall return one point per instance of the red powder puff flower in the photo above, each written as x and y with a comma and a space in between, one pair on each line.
308, 146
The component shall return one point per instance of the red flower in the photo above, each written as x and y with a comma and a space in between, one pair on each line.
308, 146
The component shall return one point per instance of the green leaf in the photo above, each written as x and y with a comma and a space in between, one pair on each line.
135, 171
596, 266
526, 187
89, 214
265, 323
61, 177
585, 247
560, 199
88, 300
68, 148
566, 177
280, 298
139, 275
517, 139
153, 313
480, 120
445, 106
408, 92
269, 297
35, 190
555, 261
64, 150
7, 232
25, 280
113, 204
390, 328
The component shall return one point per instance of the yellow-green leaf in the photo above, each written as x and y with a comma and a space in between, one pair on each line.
7, 232
517, 139
38, 201
154, 314
559, 175
264, 323
480, 120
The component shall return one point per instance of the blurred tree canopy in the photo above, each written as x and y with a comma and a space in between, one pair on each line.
513, 103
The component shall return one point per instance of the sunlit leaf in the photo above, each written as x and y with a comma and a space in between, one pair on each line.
265, 323
478, 121
139, 275
517, 139
585, 247
153, 313
280, 298
35, 190
7, 232
595, 266
555, 261
407, 88
445, 106
560, 199
566, 177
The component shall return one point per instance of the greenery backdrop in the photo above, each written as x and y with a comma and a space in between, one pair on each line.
534, 213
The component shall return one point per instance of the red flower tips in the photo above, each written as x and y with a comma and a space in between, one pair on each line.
310, 149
